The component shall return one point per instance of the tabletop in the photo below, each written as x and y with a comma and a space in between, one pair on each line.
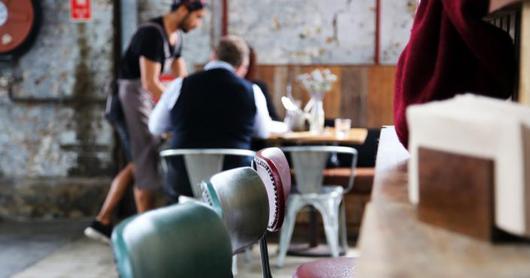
355, 136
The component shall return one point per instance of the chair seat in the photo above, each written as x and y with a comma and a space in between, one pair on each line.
327, 192
327, 268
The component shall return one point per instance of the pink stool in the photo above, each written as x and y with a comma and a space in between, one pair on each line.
327, 268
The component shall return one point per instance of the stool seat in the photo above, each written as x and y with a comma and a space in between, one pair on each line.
327, 268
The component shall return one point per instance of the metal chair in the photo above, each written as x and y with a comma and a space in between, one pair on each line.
309, 163
273, 169
185, 240
240, 198
202, 163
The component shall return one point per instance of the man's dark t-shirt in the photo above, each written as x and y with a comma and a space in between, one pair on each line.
150, 42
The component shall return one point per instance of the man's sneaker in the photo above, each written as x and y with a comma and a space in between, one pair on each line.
99, 231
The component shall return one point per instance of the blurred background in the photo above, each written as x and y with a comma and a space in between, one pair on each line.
57, 152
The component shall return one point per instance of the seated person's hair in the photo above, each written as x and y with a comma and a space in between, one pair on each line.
233, 50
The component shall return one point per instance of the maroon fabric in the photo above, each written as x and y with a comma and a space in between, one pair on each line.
451, 51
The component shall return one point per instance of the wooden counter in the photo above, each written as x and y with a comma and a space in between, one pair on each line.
393, 243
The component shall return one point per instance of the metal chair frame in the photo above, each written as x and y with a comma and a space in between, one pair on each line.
202, 163
308, 163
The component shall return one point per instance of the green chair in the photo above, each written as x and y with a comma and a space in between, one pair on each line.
240, 198
185, 240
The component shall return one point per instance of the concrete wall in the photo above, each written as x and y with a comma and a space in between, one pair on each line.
322, 32
396, 22
307, 31
52, 126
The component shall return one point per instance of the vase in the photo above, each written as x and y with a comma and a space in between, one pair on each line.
315, 110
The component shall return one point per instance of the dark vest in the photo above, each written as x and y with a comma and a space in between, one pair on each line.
215, 109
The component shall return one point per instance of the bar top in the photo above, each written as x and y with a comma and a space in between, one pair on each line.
394, 243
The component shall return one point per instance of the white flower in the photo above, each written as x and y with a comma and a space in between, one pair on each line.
318, 81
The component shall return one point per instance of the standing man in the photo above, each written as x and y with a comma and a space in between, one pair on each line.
155, 49
215, 108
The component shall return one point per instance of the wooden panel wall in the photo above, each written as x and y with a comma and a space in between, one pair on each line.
362, 93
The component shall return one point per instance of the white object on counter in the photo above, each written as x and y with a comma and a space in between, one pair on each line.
485, 128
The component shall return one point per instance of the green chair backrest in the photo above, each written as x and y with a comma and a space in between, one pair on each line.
185, 240
240, 198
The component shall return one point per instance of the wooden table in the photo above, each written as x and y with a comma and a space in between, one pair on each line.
356, 136
394, 243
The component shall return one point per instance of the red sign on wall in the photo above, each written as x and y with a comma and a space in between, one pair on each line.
80, 10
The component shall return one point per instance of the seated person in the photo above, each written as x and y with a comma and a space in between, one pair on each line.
251, 76
215, 108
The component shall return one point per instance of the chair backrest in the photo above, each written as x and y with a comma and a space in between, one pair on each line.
273, 169
202, 163
309, 163
239, 196
185, 240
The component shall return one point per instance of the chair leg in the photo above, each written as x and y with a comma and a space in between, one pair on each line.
265, 267
343, 226
293, 205
330, 215
234, 265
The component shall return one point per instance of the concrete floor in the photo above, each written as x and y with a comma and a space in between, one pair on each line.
58, 249
22, 244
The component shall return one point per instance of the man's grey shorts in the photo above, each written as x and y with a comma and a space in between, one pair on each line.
137, 107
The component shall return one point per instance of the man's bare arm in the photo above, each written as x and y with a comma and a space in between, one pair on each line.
179, 68
150, 77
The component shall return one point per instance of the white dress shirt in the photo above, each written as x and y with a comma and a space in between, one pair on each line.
160, 119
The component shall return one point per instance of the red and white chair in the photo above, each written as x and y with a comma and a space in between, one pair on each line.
273, 169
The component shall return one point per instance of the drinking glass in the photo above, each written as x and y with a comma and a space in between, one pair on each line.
342, 128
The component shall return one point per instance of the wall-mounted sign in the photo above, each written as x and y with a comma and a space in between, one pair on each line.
80, 10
